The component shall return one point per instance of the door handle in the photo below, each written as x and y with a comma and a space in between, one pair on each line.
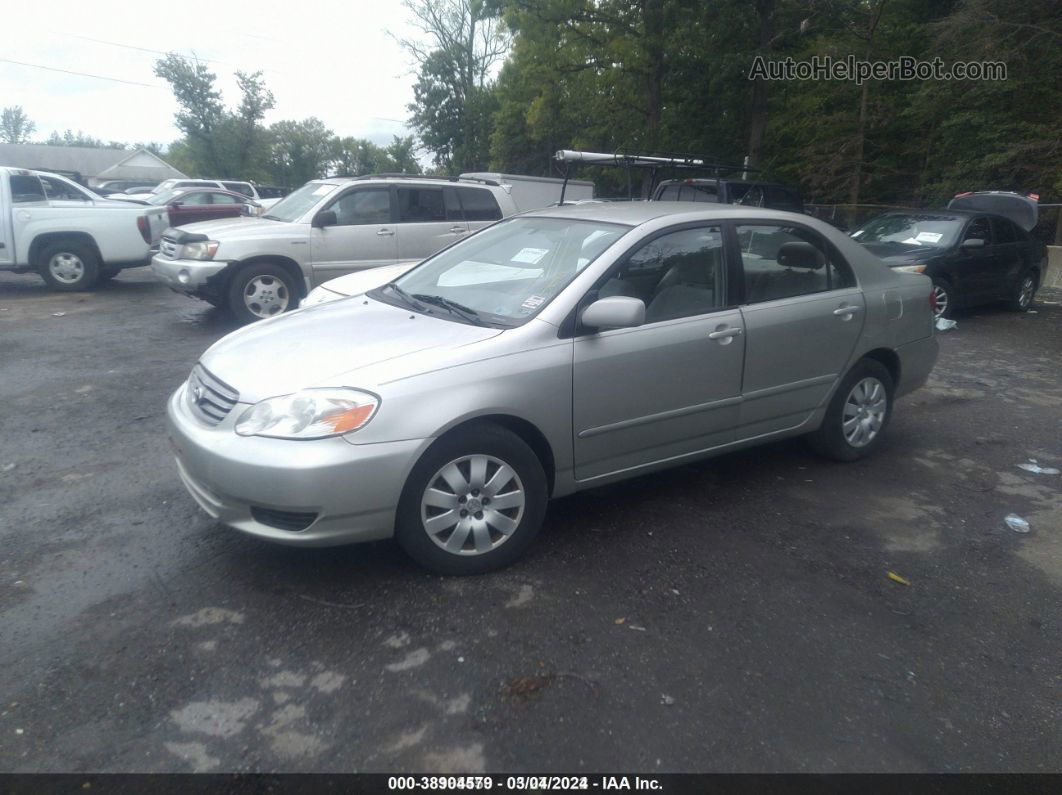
724, 333
846, 310
457, 229
383, 232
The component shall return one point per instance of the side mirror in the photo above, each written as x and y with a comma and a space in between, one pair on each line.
973, 242
325, 218
616, 311
175, 205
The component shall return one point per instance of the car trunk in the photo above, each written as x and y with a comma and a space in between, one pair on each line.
1022, 210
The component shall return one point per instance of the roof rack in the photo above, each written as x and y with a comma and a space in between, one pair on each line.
630, 160
403, 175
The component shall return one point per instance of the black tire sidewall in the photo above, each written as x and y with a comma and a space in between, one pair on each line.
1015, 300
947, 288
829, 440
82, 251
486, 439
238, 283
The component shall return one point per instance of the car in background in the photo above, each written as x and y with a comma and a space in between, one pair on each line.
246, 188
746, 193
125, 186
555, 351
262, 267
191, 205
973, 255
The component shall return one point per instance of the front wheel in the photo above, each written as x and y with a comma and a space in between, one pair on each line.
69, 266
473, 502
943, 299
858, 414
1024, 292
258, 292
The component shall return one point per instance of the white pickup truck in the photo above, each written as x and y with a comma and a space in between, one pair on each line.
69, 235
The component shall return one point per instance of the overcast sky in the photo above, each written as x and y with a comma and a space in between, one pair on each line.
327, 58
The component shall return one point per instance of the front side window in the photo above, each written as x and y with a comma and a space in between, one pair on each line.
224, 198
361, 207
420, 205
239, 187
26, 188
978, 230
688, 192
193, 199
479, 204
679, 274
505, 274
784, 262
59, 190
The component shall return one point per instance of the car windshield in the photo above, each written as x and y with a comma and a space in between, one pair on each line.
907, 230
296, 204
165, 197
505, 274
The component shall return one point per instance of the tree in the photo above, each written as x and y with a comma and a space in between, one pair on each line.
453, 102
200, 111
15, 126
300, 150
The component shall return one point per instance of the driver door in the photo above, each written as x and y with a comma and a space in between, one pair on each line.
362, 237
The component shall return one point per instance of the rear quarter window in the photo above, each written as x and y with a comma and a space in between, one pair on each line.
479, 204
26, 188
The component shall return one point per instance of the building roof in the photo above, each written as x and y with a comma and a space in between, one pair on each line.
88, 162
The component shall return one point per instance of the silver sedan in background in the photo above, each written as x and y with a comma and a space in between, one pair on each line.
549, 353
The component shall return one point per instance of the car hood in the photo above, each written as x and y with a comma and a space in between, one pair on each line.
241, 226
892, 256
360, 343
365, 280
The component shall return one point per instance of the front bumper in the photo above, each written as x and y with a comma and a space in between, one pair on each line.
352, 490
188, 276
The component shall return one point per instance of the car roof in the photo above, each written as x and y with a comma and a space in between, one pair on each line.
639, 212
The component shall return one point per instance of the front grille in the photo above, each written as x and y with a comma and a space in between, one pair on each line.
209, 398
283, 520
169, 248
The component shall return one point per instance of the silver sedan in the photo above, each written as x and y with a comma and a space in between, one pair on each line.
552, 352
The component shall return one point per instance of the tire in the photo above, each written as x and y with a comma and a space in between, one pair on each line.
429, 496
257, 292
1024, 292
859, 397
946, 300
106, 274
69, 266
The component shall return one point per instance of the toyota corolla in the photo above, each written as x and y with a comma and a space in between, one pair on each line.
549, 353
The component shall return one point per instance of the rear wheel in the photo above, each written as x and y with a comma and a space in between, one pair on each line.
257, 292
473, 502
1024, 292
69, 266
944, 299
858, 414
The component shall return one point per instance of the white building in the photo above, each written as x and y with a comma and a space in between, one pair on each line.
88, 165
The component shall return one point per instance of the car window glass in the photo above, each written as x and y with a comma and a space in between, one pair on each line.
1004, 229
420, 205
677, 192
57, 189
783, 262
361, 207
239, 187
676, 275
193, 199
479, 204
978, 230
224, 198
746, 195
26, 188
453, 205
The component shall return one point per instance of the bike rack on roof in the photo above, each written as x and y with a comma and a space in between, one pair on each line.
403, 175
629, 160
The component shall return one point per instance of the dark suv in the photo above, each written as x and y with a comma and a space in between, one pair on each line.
730, 191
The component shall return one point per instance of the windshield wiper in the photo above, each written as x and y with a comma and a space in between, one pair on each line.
409, 299
469, 314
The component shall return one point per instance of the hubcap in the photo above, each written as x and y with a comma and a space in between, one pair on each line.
472, 505
864, 412
940, 297
265, 296
1026, 294
66, 267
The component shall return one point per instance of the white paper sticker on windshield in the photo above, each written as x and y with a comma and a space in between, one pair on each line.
857, 233
323, 189
929, 237
532, 302
530, 255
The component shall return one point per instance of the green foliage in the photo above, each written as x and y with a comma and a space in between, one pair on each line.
15, 126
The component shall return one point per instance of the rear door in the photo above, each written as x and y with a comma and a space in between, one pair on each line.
802, 315
26, 192
429, 218
363, 236
225, 205
1009, 256
191, 207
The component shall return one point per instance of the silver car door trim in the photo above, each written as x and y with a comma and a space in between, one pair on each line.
663, 415
846, 310
385, 231
725, 333
793, 385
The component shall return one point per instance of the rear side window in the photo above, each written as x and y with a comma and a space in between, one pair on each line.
195, 184
420, 205
239, 187
676, 192
223, 198
784, 262
479, 204
780, 197
25, 189
1005, 231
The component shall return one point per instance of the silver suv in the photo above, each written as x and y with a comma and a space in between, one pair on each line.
261, 267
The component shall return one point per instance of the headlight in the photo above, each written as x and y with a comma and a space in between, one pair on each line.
310, 414
319, 295
910, 268
202, 249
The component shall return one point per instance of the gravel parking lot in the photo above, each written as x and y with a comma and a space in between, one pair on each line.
732, 615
